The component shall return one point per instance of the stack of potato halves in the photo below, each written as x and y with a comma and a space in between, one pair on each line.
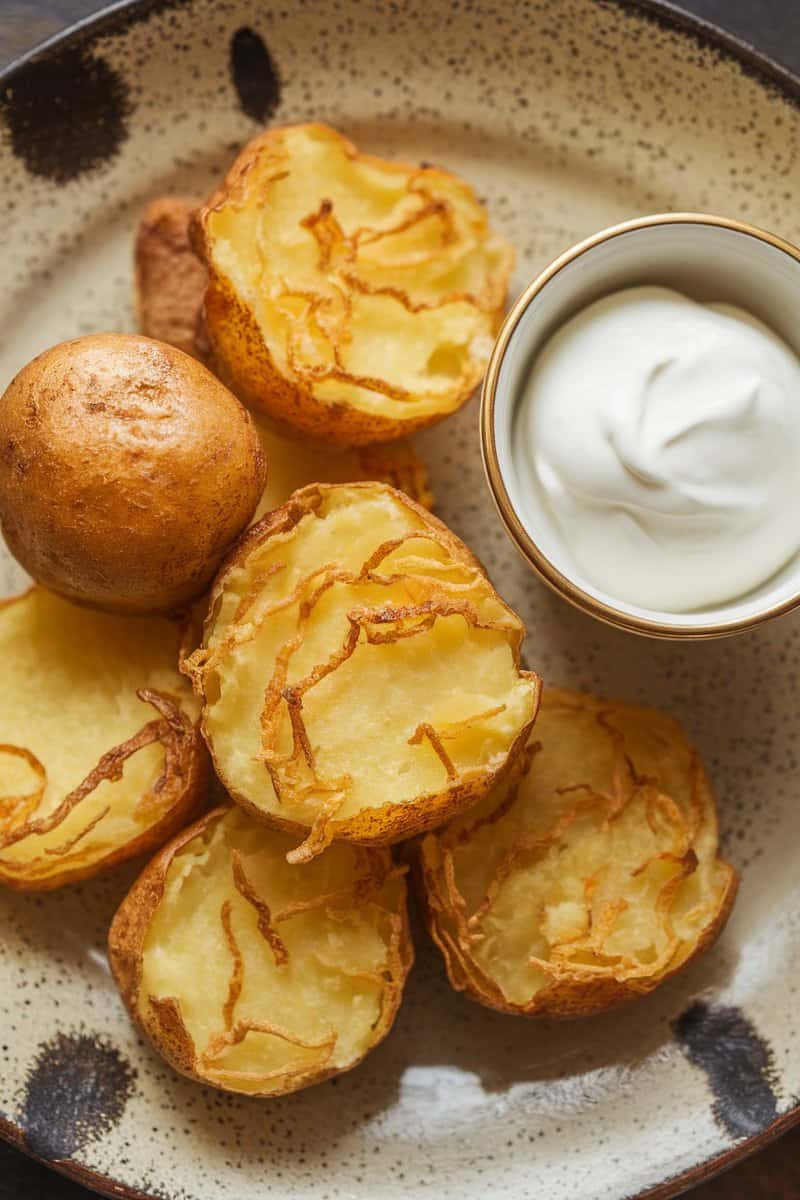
352, 678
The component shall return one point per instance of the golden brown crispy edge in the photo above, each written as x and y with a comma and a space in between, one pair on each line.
393, 822
243, 360
168, 1035
566, 998
183, 784
170, 286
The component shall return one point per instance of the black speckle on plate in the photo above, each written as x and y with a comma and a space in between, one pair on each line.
66, 113
75, 1092
255, 76
737, 1062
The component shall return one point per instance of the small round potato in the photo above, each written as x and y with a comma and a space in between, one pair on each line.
254, 976
590, 876
360, 676
126, 471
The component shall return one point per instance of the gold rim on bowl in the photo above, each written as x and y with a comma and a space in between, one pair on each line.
525, 543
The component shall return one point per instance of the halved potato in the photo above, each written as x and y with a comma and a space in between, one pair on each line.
588, 877
352, 298
100, 758
359, 674
170, 288
255, 976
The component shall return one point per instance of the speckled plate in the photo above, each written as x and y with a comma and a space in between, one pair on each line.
567, 117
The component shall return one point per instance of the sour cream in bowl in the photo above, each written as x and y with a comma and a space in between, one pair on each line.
641, 425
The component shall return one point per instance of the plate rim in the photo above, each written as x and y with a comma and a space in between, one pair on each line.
116, 18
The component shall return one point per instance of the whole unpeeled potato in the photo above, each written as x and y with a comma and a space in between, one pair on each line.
126, 471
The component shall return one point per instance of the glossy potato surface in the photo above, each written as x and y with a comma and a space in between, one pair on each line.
255, 976
588, 877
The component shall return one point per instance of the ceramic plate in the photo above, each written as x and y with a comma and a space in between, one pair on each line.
566, 117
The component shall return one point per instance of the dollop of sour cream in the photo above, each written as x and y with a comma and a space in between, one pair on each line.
663, 436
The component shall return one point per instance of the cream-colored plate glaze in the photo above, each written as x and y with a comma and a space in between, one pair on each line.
567, 118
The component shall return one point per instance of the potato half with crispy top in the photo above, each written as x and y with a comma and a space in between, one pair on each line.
170, 288
588, 877
352, 298
100, 758
255, 976
358, 672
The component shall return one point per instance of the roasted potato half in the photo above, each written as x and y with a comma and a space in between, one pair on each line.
352, 298
359, 675
100, 758
255, 976
589, 876
170, 288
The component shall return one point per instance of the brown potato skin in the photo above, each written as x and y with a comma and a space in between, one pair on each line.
243, 361
564, 999
169, 1036
391, 823
169, 278
126, 472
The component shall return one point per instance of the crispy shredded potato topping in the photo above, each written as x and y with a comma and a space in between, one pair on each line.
359, 674
99, 755
590, 874
349, 295
256, 976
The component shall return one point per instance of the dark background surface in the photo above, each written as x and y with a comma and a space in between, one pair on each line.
774, 27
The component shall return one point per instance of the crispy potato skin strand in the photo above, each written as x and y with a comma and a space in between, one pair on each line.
186, 780
241, 357
170, 286
168, 1035
391, 823
573, 995
126, 472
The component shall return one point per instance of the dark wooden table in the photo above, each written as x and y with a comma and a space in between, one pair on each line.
774, 27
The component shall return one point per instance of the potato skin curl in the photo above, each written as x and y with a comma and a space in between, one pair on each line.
273, 923
436, 297
590, 876
126, 472
447, 745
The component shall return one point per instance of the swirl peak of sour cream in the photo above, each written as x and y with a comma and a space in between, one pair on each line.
663, 436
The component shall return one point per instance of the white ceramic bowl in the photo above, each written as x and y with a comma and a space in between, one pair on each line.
706, 257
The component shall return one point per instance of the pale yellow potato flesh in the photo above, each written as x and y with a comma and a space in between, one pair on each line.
281, 976
293, 463
588, 878
170, 291
375, 286
359, 674
70, 678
